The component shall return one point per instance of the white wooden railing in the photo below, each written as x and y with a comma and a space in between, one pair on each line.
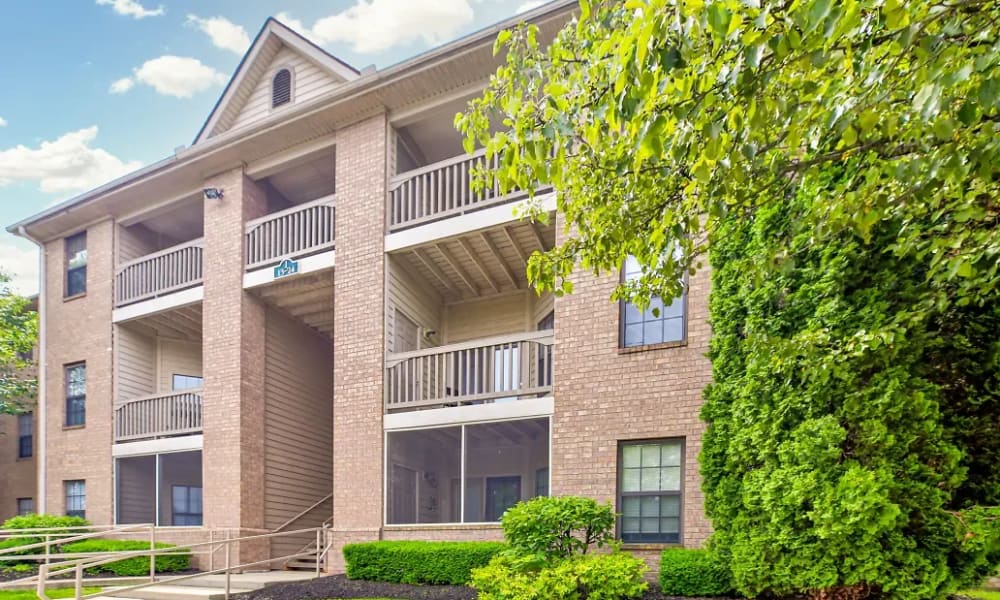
486, 370
291, 233
158, 415
440, 190
169, 270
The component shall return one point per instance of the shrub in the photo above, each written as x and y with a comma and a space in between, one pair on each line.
39, 522
130, 567
418, 562
558, 527
686, 572
613, 576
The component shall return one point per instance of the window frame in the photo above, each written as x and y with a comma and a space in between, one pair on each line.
25, 441
67, 257
291, 87
20, 511
622, 303
680, 493
67, 368
67, 486
173, 382
174, 514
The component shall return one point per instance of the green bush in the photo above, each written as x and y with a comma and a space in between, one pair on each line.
686, 572
558, 527
130, 567
614, 576
418, 562
39, 522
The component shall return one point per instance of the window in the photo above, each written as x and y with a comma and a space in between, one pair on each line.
186, 382
649, 500
466, 473
76, 264
25, 435
186, 505
25, 506
76, 498
281, 88
76, 394
658, 324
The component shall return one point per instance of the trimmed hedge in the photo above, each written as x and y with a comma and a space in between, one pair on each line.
130, 567
40, 522
687, 572
435, 563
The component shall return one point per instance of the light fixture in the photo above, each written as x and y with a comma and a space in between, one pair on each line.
213, 193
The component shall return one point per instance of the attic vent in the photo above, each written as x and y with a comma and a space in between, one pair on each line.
281, 88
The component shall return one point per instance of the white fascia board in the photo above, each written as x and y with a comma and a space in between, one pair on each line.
462, 224
184, 443
477, 413
309, 264
158, 305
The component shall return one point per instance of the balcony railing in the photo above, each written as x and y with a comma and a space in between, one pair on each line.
160, 273
159, 415
292, 233
440, 190
506, 367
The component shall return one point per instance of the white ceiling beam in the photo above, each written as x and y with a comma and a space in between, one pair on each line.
464, 243
458, 269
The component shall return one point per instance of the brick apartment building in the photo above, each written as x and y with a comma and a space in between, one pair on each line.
308, 316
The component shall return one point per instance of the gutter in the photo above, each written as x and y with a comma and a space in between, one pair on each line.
40, 402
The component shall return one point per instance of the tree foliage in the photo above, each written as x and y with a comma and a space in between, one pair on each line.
840, 163
18, 335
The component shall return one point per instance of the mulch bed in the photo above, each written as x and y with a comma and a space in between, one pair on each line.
339, 586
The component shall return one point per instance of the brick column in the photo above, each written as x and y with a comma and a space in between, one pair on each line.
80, 330
359, 334
233, 339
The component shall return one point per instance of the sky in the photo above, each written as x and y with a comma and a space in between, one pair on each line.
94, 89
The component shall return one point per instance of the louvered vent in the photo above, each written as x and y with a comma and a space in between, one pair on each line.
281, 88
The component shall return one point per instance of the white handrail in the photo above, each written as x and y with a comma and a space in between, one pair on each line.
171, 413
196, 243
295, 232
454, 160
330, 200
167, 271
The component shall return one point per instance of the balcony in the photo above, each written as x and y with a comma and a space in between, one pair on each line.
159, 415
302, 230
160, 273
502, 368
441, 190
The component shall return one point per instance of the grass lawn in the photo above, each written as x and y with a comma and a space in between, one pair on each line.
982, 594
52, 593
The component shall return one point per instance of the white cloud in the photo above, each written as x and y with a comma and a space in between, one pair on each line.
3, 122
120, 86
530, 4
19, 259
68, 163
224, 33
131, 8
178, 76
375, 25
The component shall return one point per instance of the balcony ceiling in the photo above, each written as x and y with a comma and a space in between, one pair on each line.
308, 180
182, 323
308, 299
480, 263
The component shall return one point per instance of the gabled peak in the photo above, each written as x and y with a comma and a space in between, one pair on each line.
281, 69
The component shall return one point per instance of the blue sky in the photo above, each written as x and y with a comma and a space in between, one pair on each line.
97, 88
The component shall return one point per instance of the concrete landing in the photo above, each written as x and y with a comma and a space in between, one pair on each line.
208, 587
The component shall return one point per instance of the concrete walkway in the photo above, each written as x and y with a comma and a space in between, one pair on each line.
209, 587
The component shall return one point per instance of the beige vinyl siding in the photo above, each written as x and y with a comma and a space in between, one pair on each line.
178, 358
298, 427
308, 82
136, 375
418, 302
541, 307
495, 315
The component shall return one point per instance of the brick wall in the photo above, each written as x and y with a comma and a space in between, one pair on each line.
17, 475
233, 361
79, 329
358, 334
605, 396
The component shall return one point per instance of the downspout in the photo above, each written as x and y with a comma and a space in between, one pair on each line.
40, 408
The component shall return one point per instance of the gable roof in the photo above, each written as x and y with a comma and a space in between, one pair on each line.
269, 41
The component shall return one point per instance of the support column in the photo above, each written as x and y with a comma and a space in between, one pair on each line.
233, 357
359, 335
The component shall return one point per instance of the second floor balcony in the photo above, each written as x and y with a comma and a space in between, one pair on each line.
301, 230
159, 415
170, 270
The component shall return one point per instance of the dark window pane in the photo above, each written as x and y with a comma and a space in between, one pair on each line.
422, 466
650, 484
180, 488
500, 458
76, 264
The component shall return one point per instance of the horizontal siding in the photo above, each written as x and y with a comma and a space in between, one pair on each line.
496, 315
180, 358
308, 82
418, 302
136, 374
298, 427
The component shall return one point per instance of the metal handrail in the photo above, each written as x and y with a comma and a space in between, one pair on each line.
303, 513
